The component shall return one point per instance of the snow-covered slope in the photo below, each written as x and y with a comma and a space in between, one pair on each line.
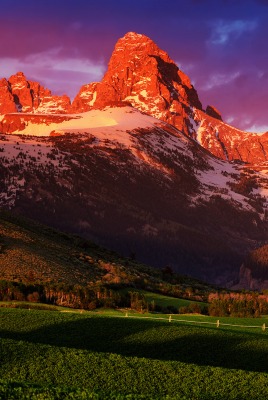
116, 126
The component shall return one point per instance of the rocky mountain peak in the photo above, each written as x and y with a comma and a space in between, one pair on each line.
142, 74
139, 44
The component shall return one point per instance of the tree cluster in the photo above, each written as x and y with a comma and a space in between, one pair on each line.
237, 304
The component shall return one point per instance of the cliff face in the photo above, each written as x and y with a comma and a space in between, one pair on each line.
7, 103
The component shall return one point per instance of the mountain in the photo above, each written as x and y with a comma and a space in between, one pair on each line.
145, 76
124, 166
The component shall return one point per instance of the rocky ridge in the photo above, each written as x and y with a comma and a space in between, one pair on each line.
17, 94
144, 76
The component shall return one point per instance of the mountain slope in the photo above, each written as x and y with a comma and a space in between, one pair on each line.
229, 143
137, 185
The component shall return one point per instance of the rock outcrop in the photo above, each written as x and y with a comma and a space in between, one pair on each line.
247, 282
7, 103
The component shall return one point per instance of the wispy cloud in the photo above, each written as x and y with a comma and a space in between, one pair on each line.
220, 79
223, 31
52, 60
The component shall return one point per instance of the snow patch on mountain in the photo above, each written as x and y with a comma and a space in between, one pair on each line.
118, 118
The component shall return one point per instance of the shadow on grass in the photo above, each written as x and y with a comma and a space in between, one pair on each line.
155, 340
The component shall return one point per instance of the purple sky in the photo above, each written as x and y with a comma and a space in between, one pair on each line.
222, 45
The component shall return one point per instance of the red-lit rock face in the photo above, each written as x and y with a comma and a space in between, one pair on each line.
7, 103
20, 95
142, 74
86, 97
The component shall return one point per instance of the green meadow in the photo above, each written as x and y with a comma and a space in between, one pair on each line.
167, 301
106, 355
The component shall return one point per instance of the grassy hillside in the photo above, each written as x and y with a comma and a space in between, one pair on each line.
31, 254
53, 355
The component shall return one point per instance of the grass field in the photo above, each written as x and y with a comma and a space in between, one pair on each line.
68, 355
166, 301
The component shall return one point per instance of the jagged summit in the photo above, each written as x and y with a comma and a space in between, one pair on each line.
136, 42
135, 35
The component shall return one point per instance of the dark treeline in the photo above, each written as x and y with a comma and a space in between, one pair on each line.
80, 297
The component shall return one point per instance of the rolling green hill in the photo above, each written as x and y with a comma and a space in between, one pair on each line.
53, 355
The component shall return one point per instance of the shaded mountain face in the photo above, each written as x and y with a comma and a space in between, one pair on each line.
137, 185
